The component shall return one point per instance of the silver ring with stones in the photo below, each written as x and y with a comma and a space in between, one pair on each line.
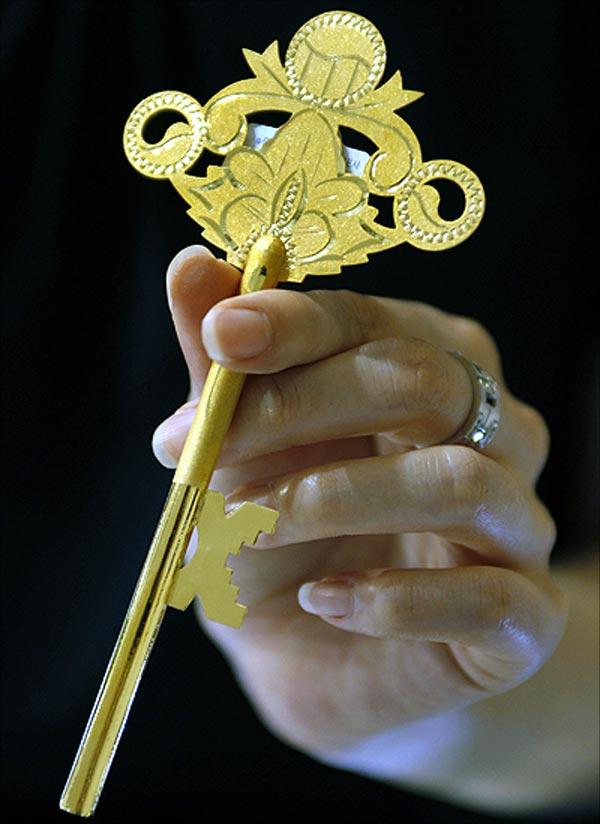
484, 417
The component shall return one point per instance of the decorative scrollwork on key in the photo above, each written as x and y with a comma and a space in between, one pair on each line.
181, 144
329, 79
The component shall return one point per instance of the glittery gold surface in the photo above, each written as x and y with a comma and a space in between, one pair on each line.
296, 186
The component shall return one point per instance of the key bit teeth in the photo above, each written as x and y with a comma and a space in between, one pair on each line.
233, 617
218, 609
206, 574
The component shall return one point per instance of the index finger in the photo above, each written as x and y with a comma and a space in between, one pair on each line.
272, 330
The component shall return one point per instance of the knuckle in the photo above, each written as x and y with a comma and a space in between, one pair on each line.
391, 607
392, 612
469, 328
535, 431
476, 341
385, 370
465, 480
495, 598
547, 530
409, 374
505, 606
352, 316
432, 385
358, 312
472, 331
278, 400
323, 497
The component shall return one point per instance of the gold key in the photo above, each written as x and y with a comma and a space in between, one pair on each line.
160, 582
283, 204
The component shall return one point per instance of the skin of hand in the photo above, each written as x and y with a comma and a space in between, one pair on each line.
406, 578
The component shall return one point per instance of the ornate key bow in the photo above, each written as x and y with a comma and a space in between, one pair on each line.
283, 204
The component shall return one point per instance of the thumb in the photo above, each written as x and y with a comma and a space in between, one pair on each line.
196, 280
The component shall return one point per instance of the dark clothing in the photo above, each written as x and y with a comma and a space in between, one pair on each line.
92, 363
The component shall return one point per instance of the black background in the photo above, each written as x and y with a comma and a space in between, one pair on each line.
91, 363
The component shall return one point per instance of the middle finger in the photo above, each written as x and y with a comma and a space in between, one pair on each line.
299, 328
396, 384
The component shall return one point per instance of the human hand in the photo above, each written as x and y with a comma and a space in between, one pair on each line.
429, 566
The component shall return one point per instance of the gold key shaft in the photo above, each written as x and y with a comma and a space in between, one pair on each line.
142, 622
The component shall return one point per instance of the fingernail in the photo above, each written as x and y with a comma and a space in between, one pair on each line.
168, 433
333, 598
232, 334
195, 251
